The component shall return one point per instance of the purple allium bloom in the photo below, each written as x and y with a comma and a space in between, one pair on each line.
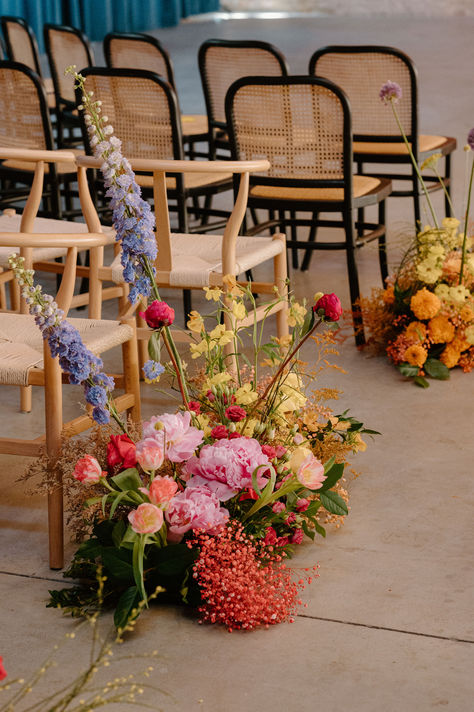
470, 139
390, 91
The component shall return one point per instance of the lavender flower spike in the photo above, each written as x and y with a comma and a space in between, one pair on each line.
470, 139
390, 91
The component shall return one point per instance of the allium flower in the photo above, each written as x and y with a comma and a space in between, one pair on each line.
175, 433
146, 519
226, 466
470, 139
158, 314
195, 508
329, 307
152, 371
88, 471
149, 454
390, 91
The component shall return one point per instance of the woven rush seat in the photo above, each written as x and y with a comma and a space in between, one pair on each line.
191, 180
21, 343
11, 223
362, 185
194, 259
426, 143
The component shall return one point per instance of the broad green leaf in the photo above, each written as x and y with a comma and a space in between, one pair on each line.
421, 382
117, 499
116, 564
436, 369
406, 369
174, 559
332, 476
321, 530
118, 532
333, 502
127, 480
130, 536
308, 531
308, 322
154, 346
329, 464
126, 603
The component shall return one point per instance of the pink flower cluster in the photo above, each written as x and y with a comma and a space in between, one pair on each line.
194, 508
175, 434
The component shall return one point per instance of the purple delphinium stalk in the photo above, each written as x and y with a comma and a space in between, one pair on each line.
64, 340
390, 91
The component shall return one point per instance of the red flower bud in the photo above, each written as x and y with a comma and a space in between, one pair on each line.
158, 314
195, 406
329, 307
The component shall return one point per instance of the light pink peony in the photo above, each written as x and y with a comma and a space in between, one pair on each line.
175, 434
195, 508
146, 519
311, 473
161, 491
226, 466
149, 454
88, 471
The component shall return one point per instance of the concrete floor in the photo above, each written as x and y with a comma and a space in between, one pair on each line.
389, 623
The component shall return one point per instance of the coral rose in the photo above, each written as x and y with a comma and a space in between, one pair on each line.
416, 355
161, 491
146, 519
329, 307
195, 508
311, 473
441, 330
88, 471
424, 304
149, 454
158, 314
121, 452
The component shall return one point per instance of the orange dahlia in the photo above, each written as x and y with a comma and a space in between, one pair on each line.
388, 295
416, 330
416, 355
441, 330
450, 356
466, 313
424, 304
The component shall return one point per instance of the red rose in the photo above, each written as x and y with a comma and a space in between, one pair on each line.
121, 452
328, 307
195, 406
270, 537
219, 432
3, 672
158, 314
232, 436
235, 413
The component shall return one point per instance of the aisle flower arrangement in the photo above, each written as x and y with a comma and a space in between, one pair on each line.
207, 501
424, 318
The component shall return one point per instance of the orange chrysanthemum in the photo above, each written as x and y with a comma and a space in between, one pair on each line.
466, 313
441, 330
460, 343
416, 355
424, 304
416, 331
388, 295
450, 356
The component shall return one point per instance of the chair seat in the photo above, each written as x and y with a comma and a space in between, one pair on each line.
362, 186
11, 223
425, 145
21, 343
191, 180
62, 168
195, 257
194, 125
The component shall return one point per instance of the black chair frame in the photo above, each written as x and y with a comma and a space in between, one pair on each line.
4, 21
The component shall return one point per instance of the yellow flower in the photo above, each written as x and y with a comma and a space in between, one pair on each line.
424, 304
470, 263
469, 335
218, 380
428, 271
416, 330
388, 295
247, 428
195, 322
435, 251
230, 283
221, 335
416, 355
441, 330
459, 294
245, 394
298, 456
450, 223
198, 349
239, 310
460, 344
213, 293
442, 292
450, 356
431, 161
358, 445
293, 398
203, 423
296, 314
284, 341
318, 296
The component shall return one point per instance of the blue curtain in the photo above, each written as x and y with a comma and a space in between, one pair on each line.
98, 17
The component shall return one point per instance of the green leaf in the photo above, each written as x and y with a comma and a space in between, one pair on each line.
127, 480
126, 603
117, 499
117, 563
406, 369
436, 369
329, 464
321, 530
308, 531
421, 382
118, 532
333, 503
308, 322
90, 550
154, 346
332, 476
174, 559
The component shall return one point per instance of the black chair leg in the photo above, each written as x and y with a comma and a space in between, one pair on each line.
294, 237
416, 201
383, 243
447, 174
353, 279
311, 239
360, 222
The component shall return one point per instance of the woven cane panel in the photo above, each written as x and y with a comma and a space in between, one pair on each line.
298, 128
21, 45
138, 111
67, 49
134, 54
226, 64
20, 112
361, 76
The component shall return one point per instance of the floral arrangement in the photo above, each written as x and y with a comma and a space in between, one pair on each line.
424, 317
206, 502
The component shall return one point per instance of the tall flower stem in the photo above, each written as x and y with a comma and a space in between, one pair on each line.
415, 164
171, 348
466, 223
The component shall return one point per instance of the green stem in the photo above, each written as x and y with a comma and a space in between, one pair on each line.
466, 223
443, 185
415, 164
175, 360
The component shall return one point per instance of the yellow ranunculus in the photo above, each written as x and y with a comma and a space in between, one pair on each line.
239, 310
245, 394
292, 397
459, 294
195, 322
442, 292
198, 349
428, 271
213, 293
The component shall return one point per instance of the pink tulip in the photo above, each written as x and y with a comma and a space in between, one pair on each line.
161, 491
88, 471
311, 473
146, 519
149, 454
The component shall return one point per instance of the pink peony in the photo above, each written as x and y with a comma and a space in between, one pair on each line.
235, 413
3, 672
146, 519
88, 471
311, 473
302, 504
329, 307
219, 432
278, 507
270, 537
226, 466
161, 491
158, 314
297, 537
149, 454
175, 434
195, 508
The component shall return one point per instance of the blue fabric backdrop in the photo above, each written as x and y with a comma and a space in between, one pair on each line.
97, 17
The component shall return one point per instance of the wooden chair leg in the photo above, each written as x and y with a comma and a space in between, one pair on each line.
26, 398
353, 279
54, 424
131, 371
280, 279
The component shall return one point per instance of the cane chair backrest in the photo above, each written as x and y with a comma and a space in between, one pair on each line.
20, 42
221, 62
24, 117
300, 124
138, 51
66, 46
142, 108
361, 71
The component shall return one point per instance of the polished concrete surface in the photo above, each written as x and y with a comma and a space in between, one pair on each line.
389, 623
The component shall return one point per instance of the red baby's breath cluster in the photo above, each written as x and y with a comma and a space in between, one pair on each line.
245, 585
